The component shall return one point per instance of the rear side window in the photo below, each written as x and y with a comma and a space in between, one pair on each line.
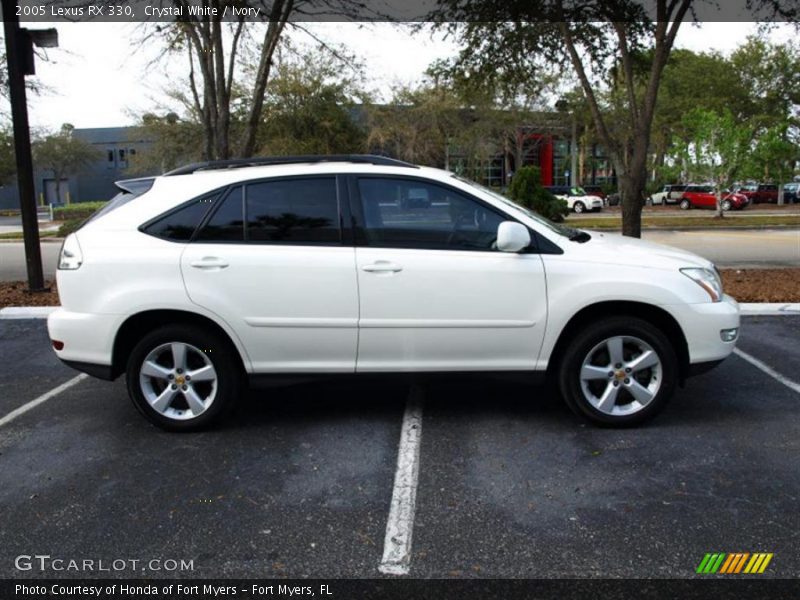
293, 211
227, 223
290, 211
179, 225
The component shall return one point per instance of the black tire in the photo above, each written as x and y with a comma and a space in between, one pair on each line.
219, 353
579, 207
685, 205
726, 205
569, 373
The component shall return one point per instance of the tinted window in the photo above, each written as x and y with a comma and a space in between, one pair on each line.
410, 214
180, 224
293, 211
227, 223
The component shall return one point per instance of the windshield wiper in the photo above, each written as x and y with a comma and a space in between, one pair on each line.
580, 237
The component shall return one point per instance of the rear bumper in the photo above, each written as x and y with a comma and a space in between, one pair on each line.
99, 371
88, 339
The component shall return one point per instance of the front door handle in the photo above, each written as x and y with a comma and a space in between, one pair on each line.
208, 263
382, 266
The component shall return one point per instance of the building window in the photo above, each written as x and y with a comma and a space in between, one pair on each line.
123, 158
561, 162
111, 159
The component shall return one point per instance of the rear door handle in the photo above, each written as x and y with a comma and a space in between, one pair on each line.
208, 263
382, 266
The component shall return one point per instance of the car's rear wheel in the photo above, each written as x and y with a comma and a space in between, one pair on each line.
618, 372
726, 205
685, 204
183, 378
579, 207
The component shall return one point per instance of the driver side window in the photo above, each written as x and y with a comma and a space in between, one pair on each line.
405, 213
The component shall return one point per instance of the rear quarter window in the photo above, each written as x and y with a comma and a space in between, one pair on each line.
179, 225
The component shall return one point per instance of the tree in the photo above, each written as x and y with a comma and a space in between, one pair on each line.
526, 190
719, 147
8, 156
512, 42
773, 156
172, 142
63, 154
230, 63
310, 107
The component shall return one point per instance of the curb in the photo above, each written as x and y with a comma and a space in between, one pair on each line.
748, 309
763, 309
26, 312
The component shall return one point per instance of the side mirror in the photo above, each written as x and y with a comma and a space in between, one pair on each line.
512, 237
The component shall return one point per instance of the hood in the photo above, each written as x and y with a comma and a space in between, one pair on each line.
612, 248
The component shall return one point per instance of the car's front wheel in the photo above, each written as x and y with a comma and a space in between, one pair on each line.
618, 372
183, 378
726, 205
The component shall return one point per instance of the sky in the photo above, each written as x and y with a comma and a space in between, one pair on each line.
100, 78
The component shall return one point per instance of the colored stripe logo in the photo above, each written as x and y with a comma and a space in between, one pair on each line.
734, 563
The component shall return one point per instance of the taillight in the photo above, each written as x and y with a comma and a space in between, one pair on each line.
71, 257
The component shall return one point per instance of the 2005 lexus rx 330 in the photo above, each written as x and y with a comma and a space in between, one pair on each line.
216, 275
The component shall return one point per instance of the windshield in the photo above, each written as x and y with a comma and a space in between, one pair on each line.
563, 230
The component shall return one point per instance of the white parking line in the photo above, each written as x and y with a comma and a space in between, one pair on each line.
792, 385
400, 524
43, 398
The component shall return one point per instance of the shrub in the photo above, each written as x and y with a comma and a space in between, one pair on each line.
69, 226
526, 190
79, 210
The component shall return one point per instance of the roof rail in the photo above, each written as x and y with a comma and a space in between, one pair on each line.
238, 163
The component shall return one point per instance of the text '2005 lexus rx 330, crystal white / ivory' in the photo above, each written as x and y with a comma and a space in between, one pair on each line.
218, 275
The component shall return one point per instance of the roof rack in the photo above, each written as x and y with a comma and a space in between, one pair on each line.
239, 163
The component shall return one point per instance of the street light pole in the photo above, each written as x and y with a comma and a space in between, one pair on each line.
22, 144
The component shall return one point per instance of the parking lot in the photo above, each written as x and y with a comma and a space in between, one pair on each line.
301, 481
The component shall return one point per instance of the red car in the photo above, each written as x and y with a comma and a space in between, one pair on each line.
761, 192
704, 196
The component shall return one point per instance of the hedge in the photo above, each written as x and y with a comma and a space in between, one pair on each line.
79, 210
69, 226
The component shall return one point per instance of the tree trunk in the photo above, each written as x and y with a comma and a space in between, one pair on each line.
630, 187
720, 212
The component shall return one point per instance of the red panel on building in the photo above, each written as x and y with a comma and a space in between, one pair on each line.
546, 160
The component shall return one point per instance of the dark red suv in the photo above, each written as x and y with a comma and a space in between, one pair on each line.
704, 196
759, 192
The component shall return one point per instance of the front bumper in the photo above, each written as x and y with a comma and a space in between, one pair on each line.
702, 325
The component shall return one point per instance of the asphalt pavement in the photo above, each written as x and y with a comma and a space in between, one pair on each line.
299, 483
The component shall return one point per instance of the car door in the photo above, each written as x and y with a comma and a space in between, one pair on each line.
273, 260
434, 293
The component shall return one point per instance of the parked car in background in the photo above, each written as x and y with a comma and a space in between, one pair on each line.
704, 196
791, 192
577, 199
595, 190
669, 194
759, 192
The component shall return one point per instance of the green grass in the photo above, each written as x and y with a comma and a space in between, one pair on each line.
17, 235
689, 222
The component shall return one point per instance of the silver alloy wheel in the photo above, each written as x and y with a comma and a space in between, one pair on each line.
621, 375
178, 381
578, 207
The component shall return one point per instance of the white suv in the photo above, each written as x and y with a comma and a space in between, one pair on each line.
216, 275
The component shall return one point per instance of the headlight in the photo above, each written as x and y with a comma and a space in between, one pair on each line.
708, 279
71, 257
